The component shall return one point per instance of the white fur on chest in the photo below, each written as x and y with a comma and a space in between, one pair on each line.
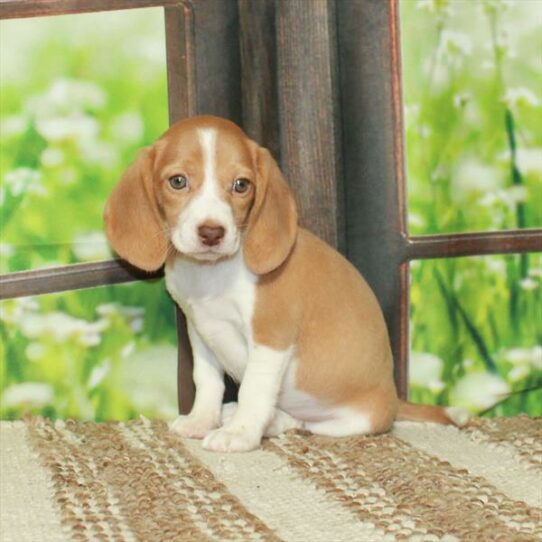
218, 300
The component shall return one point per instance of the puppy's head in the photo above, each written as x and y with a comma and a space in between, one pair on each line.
206, 190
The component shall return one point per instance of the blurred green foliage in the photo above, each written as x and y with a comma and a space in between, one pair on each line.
81, 94
472, 89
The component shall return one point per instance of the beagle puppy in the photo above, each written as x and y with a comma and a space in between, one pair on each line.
283, 313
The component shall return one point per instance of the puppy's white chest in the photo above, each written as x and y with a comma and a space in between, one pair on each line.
218, 300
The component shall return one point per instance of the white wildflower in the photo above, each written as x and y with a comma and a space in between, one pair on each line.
488, 65
52, 157
528, 284
128, 350
13, 125
12, 311
33, 326
415, 220
98, 373
517, 194
91, 246
412, 112
28, 394
35, 351
424, 131
425, 370
82, 94
6, 250
454, 44
520, 97
148, 50
68, 175
66, 96
108, 309
517, 356
529, 357
134, 316
524, 360
111, 309
23, 179
472, 177
136, 325
461, 99
536, 358
509, 197
132, 312
77, 127
128, 127
478, 391
530, 160
519, 373
90, 338
97, 152
61, 327
496, 265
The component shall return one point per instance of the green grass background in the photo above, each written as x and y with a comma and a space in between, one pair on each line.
80, 94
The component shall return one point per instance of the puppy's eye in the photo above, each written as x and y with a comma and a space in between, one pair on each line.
241, 186
178, 182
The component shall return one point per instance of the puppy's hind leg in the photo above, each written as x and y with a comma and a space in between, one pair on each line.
280, 423
372, 413
346, 422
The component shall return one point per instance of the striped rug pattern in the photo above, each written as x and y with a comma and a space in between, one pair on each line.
135, 481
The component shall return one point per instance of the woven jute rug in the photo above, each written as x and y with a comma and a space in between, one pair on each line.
137, 482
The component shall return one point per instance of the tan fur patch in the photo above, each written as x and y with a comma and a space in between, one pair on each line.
318, 301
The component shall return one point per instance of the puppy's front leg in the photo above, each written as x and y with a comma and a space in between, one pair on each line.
209, 381
256, 402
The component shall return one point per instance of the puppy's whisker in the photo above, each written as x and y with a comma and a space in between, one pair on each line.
169, 251
162, 231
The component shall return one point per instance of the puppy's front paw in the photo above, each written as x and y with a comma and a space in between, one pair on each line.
231, 440
192, 426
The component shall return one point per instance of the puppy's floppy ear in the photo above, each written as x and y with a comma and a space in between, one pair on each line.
272, 225
133, 224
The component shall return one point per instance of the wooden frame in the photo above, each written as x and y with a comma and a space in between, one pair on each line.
335, 123
378, 240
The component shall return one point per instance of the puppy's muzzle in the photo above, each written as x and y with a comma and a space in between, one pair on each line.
211, 234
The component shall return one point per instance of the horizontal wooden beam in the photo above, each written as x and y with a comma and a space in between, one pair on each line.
15, 9
69, 277
472, 244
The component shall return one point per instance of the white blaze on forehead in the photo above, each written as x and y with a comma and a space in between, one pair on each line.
207, 205
207, 140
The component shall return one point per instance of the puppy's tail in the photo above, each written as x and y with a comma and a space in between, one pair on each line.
425, 413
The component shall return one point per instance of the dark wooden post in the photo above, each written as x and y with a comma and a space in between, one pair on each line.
309, 114
373, 160
259, 72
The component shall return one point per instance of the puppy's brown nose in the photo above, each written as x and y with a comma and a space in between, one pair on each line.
211, 233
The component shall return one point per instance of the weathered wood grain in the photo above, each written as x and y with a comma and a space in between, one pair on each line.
309, 114
373, 159
69, 277
11, 9
259, 72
